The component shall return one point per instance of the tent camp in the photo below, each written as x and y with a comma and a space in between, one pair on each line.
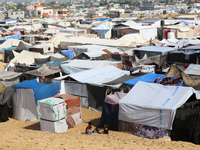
89, 84
104, 30
156, 108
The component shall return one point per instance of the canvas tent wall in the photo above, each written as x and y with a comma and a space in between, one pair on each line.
193, 69
26, 96
159, 104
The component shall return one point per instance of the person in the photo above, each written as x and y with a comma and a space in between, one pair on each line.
89, 131
96, 130
89, 125
105, 129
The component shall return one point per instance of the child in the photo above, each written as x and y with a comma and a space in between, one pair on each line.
105, 129
96, 130
88, 127
89, 131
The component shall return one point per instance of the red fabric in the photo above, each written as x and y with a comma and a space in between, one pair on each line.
70, 100
185, 66
86, 129
166, 33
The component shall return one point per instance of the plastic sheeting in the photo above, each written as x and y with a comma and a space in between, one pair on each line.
52, 114
24, 106
153, 104
150, 77
193, 69
99, 75
41, 91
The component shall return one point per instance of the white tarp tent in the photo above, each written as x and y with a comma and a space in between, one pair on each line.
153, 104
78, 65
193, 69
97, 76
26, 57
134, 38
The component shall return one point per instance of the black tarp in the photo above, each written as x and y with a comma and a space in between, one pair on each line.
4, 109
182, 57
186, 125
110, 117
96, 96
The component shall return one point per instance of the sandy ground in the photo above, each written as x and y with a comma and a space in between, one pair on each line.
22, 135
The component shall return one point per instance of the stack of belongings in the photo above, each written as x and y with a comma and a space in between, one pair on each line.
74, 116
52, 114
110, 110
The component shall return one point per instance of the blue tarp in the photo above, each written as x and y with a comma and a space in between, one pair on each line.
13, 37
185, 22
101, 19
41, 91
8, 48
66, 52
150, 77
55, 63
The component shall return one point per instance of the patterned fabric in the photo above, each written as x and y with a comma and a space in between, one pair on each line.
149, 132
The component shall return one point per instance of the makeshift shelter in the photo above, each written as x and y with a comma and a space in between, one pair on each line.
104, 30
188, 80
110, 111
43, 72
193, 69
26, 57
58, 57
152, 51
156, 109
90, 85
47, 48
52, 115
78, 65
74, 115
26, 96
134, 38
23, 46
185, 57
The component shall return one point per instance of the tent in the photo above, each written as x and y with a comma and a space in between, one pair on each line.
102, 29
193, 69
78, 65
58, 57
110, 110
157, 107
26, 96
26, 57
135, 38
23, 46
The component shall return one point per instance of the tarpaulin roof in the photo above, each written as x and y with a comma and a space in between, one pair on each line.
7, 75
98, 75
102, 29
41, 91
155, 49
153, 104
193, 69
150, 77
78, 65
